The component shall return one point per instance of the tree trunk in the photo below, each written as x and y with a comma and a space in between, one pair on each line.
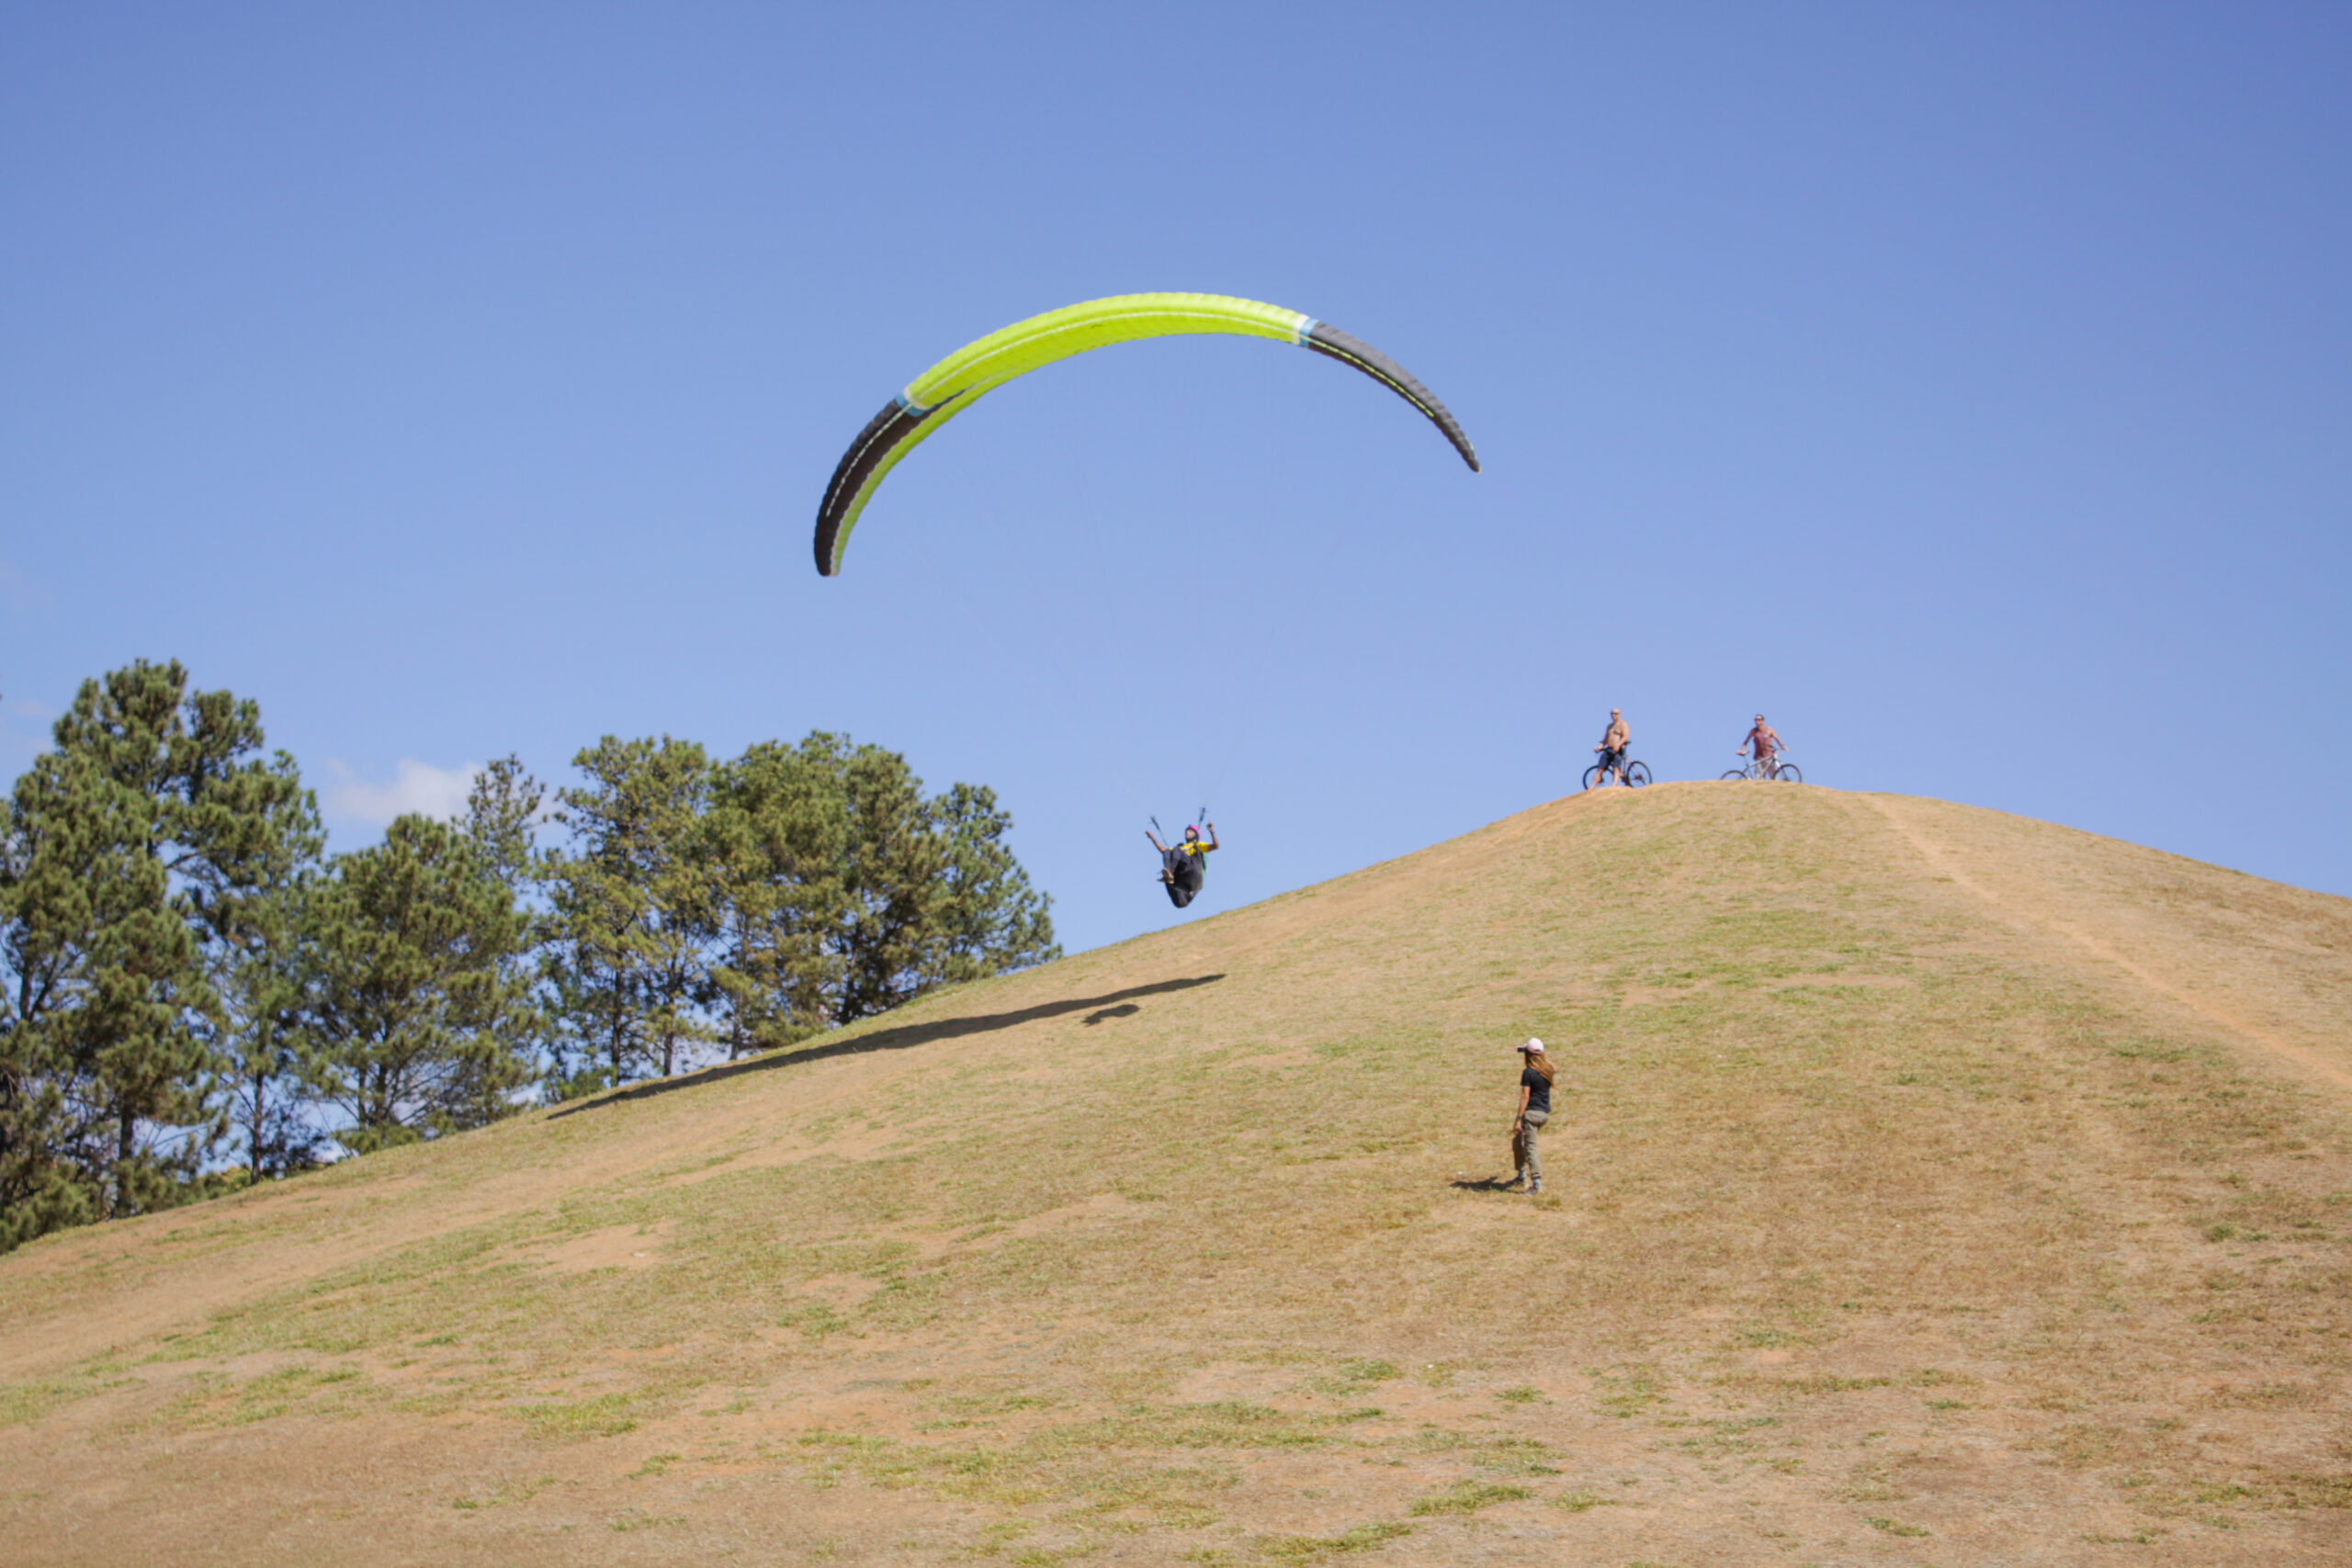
126, 1140
621, 1026
253, 1129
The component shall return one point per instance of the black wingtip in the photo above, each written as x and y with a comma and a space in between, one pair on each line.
884, 432
1325, 339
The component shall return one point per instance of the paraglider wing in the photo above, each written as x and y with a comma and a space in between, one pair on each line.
956, 382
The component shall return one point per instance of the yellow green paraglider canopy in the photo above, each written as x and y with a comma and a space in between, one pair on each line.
953, 385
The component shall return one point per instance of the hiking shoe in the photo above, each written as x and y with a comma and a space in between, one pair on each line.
1534, 1188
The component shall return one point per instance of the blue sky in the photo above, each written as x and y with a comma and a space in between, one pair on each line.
1964, 387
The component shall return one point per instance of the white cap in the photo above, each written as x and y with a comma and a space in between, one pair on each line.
1532, 1044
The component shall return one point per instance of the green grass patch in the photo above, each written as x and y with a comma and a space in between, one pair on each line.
1309, 1548
1468, 1497
512, 1492
1822, 1383
211, 1400
1627, 1391
606, 1416
25, 1403
630, 1520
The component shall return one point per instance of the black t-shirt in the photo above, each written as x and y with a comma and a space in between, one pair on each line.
1539, 1093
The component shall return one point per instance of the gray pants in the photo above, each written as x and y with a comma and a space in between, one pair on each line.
1523, 1145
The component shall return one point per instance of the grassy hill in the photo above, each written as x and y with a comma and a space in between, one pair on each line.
1932, 1186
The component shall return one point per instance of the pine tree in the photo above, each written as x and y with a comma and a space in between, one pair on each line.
501, 818
776, 837
992, 919
634, 909
65, 878
410, 1004
504, 811
129, 848
258, 1041
934, 893
847, 891
895, 876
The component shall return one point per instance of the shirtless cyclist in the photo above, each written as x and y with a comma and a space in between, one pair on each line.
1613, 742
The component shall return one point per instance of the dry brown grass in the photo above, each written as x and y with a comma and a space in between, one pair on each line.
1932, 1186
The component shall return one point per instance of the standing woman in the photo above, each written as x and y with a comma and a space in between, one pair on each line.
1535, 1110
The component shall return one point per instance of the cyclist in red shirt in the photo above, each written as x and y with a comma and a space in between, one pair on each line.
1763, 743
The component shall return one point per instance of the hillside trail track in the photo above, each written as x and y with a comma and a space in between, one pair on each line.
2281, 990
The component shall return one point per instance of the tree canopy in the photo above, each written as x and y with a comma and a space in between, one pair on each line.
194, 993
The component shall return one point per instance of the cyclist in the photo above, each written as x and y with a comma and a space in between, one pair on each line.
1763, 743
1613, 742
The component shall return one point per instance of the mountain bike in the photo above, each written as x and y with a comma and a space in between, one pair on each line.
1771, 769
1633, 774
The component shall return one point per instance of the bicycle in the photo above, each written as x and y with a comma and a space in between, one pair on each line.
1634, 775
1769, 769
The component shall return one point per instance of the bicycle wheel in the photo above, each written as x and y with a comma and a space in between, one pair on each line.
1786, 773
1736, 773
1591, 773
1637, 773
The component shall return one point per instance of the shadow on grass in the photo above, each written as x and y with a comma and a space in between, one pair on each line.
1483, 1184
898, 1039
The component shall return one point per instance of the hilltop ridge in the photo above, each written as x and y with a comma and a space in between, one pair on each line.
1928, 1185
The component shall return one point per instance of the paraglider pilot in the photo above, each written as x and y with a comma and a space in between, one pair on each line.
1182, 865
